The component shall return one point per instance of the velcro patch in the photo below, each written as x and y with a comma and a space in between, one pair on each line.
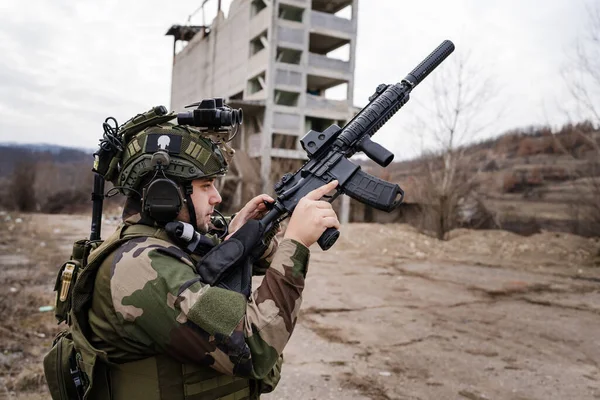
163, 141
133, 147
218, 311
204, 156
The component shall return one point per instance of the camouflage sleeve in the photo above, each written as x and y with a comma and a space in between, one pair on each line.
162, 304
264, 262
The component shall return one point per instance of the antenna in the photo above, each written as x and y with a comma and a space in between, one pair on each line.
201, 8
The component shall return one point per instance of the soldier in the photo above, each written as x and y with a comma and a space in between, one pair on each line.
157, 331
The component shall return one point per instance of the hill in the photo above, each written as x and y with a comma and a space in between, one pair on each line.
11, 154
47, 178
526, 180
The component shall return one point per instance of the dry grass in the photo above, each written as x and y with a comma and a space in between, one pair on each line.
30, 259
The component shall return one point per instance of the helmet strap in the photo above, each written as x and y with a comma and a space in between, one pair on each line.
190, 205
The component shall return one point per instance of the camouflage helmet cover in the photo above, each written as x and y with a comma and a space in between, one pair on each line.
192, 156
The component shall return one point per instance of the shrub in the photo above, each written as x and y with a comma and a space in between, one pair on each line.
67, 200
22, 188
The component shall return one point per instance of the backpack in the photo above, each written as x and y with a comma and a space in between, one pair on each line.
70, 371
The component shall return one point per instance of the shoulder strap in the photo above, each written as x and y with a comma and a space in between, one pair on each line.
140, 230
124, 233
84, 286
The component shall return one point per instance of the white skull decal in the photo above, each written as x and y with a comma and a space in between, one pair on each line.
163, 142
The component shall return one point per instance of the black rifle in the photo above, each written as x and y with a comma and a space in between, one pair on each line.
328, 153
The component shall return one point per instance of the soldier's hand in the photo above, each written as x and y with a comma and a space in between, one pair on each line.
254, 209
312, 216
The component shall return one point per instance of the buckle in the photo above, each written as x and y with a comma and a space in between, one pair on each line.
66, 278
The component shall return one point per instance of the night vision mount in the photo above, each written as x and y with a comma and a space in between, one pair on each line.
211, 114
217, 120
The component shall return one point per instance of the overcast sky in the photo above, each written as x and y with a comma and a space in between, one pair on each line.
67, 65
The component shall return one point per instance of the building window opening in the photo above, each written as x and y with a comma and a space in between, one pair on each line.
259, 43
284, 98
237, 96
291, 13
345, 12
341, 9
339, 92
289, 56
257, 6
341, 53
332, 89
318, 124
257, 83
287, 142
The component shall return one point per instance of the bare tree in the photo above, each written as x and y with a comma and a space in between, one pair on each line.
22, 185
582, 77
582, 73
461, 92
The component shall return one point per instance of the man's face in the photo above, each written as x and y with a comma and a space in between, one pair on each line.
205, 197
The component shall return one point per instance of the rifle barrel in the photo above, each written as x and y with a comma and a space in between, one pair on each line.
430, 63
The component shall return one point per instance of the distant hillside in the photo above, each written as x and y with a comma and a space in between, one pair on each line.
11, 154
529, 179
532, 156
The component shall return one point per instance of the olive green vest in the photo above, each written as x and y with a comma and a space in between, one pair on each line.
157, 377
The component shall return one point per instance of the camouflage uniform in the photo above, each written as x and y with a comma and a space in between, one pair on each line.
148, 301
142, 324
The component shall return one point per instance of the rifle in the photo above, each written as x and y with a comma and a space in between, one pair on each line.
328, 153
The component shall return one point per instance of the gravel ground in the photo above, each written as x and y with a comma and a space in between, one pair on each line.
388, 313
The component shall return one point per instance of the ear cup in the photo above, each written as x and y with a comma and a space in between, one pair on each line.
162, 200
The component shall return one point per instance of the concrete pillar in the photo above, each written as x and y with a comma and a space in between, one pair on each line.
267, 132
353, 52
344, 216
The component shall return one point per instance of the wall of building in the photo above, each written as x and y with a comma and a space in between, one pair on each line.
218, 65
277, 56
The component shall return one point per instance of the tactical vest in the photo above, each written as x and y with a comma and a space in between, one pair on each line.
75, 369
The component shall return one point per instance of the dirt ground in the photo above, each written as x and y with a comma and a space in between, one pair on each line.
388, 313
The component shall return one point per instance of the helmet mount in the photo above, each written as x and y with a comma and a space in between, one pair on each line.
173, 155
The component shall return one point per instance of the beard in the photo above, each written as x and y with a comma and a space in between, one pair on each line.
203, 224
203, 229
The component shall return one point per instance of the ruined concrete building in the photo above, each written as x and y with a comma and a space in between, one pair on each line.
273, 59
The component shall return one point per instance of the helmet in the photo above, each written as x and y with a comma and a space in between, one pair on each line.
190, 154
155, 159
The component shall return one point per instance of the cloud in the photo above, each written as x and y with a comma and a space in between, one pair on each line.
519, 43
67, 65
